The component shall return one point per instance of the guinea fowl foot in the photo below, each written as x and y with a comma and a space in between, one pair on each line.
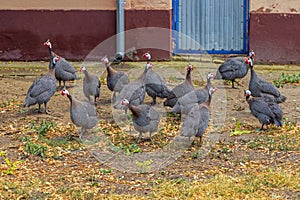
201, 141
139, 139
47, 111
153, 102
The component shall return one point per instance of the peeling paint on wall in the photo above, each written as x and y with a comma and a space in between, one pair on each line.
275, 6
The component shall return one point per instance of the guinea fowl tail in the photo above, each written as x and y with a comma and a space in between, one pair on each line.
277, 122
76, 77
280, 99
166, 93
28, 101
170, 102
218, 75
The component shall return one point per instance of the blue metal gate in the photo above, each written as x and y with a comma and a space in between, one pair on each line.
215, 26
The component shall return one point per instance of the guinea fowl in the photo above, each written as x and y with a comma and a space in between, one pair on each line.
261, 88
64, 70
145, 118
155, 85
265, 110
134, 91
194, 97
83, 114
234, 68
43, 88
181, 89
116, 80
197, 120
91, 84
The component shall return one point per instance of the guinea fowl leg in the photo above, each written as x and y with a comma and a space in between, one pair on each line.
153, 100
150, 134
201, 140
81, 132
262, 127
114, 96
127, 116
139, 139
95, 101
64, 85
46, 110
232, 81
59, 85
39, 111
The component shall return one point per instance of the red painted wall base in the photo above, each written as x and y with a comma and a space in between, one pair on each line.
275, 37
73, 33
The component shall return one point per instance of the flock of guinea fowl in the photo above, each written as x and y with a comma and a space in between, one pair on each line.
263, 97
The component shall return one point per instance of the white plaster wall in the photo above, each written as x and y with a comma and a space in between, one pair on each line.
275, 6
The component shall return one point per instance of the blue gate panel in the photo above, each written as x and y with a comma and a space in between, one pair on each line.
216, 26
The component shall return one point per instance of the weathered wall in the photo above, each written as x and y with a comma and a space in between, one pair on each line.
275, 37
275, 31
275, 6
75, 27
83, 4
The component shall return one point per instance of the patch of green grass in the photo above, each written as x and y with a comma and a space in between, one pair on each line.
144, 166
279, 142
41, 129
35, 149
58, 142
106, 171
130, 148
7, 102
221, 186
289, 124
286, 78
44, 127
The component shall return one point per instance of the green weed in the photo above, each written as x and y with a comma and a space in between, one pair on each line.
284, 142
3, 153
35, 149
238, 128
285, 78
144, 166
106, 171
12, 166
44, 127
41, 129
130, 148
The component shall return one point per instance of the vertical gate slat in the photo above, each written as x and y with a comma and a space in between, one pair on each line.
211, 25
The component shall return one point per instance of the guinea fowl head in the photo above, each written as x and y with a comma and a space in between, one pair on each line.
147, 56
65, 92
82, 69
249, 62
251, 53
189, 68
210, 76
48, 43
149, 66
212, 90
105, 60
56, 59
247, 93
125, 102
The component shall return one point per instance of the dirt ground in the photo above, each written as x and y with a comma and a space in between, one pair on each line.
228, 108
